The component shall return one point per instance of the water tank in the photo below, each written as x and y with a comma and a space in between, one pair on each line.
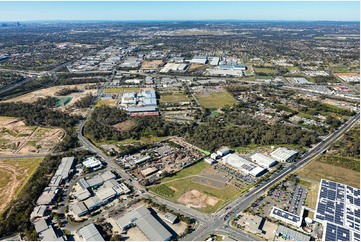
308, 220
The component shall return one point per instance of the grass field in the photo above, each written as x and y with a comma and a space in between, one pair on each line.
121, 89
293, 68
313, 187
14, 173
111, 103
264, 70
172, 188
173, 98
216, 100
317, 171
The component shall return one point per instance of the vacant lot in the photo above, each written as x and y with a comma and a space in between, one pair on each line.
33, 96
121, 89
14, 174
110, 102
216, 100
173, 98
317, 171
184, 189
17, 138
151, 64
265, 70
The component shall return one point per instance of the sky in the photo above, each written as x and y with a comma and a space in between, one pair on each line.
188, 10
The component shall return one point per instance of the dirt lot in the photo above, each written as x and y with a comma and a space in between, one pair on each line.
125, 126
13, 175
17, 138
151, 64
197, 199
317, 171
33, 96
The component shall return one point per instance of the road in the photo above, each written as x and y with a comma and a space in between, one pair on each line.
249, 197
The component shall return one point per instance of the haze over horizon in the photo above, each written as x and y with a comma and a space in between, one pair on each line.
178, 11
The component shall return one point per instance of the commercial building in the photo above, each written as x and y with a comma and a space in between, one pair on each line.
82, 194
284, 154
338, 209
90, 233
95, 181
286, 217
105, 194
44, 230
146, 222
108, 175
263, 160
243, 165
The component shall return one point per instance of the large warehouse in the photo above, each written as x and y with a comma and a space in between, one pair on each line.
263, 160
243, 165
284, 154
140, 103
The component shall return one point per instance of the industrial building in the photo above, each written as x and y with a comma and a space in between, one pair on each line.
199, 60
284, 154
140, 103
290, 234
48, 196
45, 231
171, 218
149, 171
79, 209
243, 165
338, 209
38, 212
93, 203
90, 233
222, 152
210, 160
63, 172
146, 222
263, 160
82, 194
92, 163
286, 217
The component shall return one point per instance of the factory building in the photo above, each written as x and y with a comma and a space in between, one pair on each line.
48, 196
90, 233
63, 172
263, 160
222, 152
79, 209
210, 160
284, 154
286, 217
140, 103
243, 165
146, 222
93, 203
199, 60
92, 163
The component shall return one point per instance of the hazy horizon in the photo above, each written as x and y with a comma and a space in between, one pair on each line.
180, 11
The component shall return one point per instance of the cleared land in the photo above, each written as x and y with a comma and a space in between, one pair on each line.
264, 70
110, 102
216, 100
17, 138
173, 98
14, 174
196, 186
317, 171
33, 96
151, 64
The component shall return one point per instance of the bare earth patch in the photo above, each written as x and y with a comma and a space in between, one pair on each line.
124, 126
197, 199
173, 188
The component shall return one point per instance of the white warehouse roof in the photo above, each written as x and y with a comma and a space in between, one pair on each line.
283, 154
263, 160
90, 233
242, 164
92, 162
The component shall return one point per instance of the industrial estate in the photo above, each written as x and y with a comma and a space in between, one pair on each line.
157, 131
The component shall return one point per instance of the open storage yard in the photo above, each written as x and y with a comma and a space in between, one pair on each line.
17, 138
13, 175
199, 186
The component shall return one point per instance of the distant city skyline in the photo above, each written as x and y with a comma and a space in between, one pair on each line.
128, 11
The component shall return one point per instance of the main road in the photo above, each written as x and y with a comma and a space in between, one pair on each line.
218, 221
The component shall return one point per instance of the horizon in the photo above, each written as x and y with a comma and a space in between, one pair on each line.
180, 11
